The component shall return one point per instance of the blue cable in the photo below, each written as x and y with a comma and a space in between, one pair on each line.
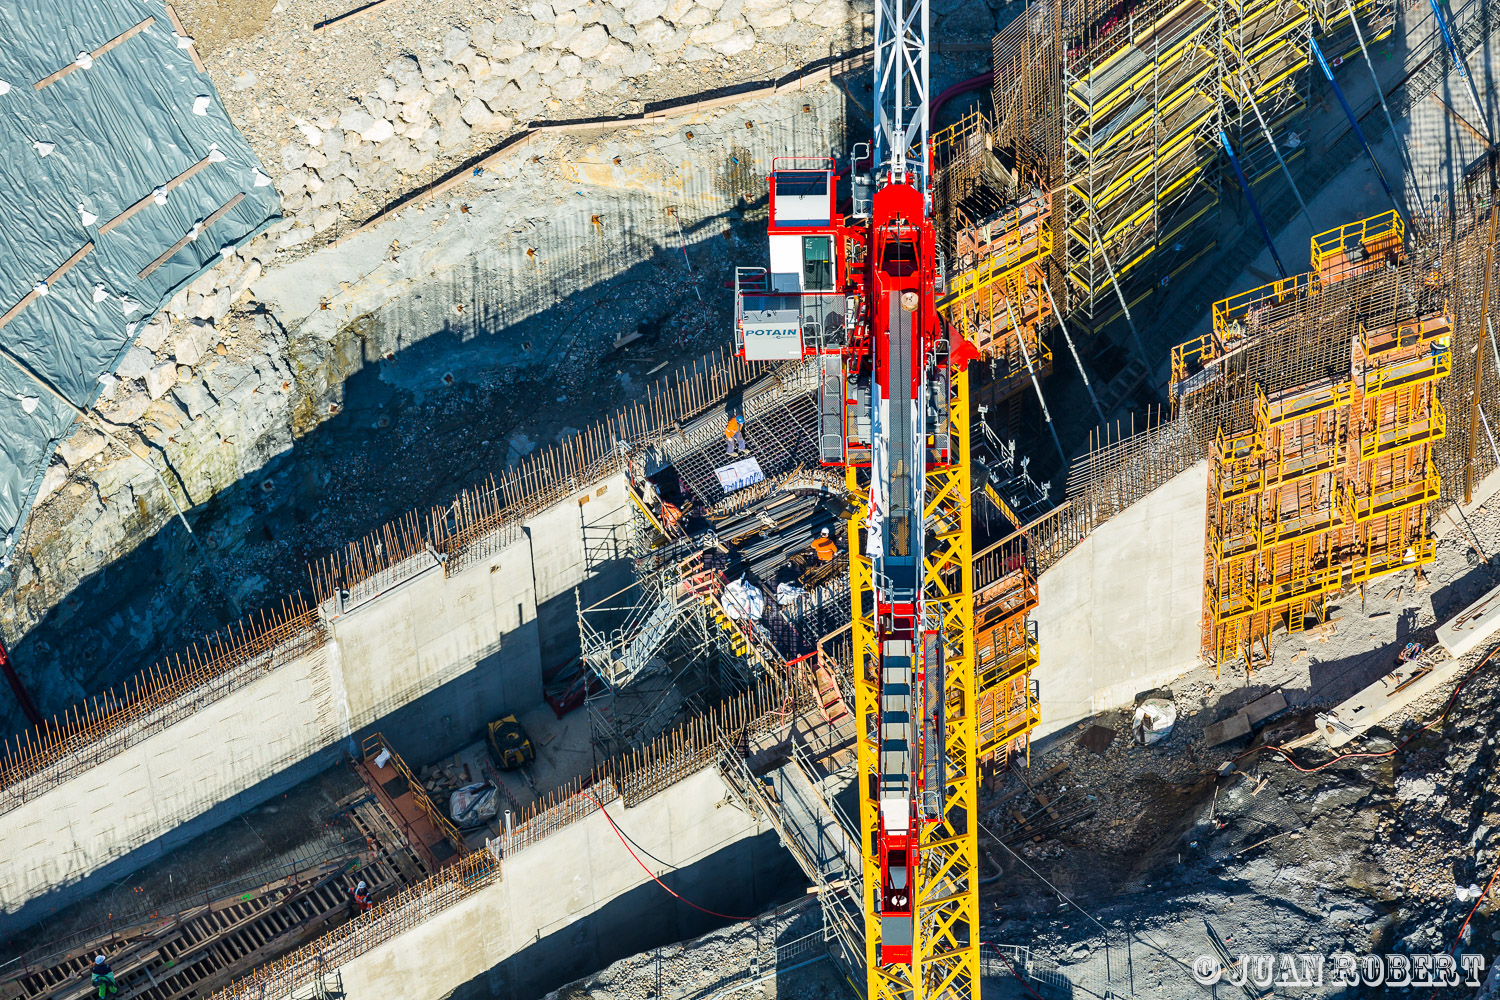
1265, 233
1354, 124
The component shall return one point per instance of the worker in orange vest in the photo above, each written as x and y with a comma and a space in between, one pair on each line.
359, 900
824, 547
734, 438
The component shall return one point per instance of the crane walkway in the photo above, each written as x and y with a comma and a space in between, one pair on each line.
802, 780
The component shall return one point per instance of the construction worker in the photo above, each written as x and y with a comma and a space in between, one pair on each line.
359, 900
734, 438
671, 516
824, 547
103, 976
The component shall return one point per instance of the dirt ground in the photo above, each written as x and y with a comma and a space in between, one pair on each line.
1372, 853
213, 23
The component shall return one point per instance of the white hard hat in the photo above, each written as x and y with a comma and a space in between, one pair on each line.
825, 532
360, 886
98, 959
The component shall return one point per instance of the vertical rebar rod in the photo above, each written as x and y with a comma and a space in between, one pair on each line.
1484, 319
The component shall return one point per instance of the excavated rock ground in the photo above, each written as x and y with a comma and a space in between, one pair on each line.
1365, 856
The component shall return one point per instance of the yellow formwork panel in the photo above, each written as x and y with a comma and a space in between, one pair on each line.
945, 887
1375, 234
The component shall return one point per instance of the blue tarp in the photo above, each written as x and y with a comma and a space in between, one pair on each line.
74, 155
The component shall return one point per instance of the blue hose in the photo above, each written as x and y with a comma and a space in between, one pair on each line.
1354, 123
1260, 221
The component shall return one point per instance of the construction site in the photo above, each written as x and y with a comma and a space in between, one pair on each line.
713, 499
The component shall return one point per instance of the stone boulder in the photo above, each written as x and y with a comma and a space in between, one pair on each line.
81, 447
160, 379
135, 363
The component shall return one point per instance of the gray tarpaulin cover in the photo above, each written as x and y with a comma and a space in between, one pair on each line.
75, 154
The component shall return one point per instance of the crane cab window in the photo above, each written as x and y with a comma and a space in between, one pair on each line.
817, 264
898, 258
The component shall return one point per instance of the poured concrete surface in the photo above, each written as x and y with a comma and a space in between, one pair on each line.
577, 900
1120, 614
429, 661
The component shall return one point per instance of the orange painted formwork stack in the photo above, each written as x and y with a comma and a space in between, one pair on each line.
1327, 484
1005, 654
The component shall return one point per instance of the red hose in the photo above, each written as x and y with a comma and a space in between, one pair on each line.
1024, 984
973, 83
1486, 892
648, 871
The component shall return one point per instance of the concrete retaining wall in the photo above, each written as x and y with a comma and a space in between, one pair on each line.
577, 900
1120, 614
430, 661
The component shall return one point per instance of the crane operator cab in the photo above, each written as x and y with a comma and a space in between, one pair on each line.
796, 307
808, 304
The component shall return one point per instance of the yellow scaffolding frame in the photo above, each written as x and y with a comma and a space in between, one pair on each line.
1330, 485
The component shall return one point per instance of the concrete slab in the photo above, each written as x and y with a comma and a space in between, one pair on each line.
1264, 707
1232, 728
1471, 627
1408, 683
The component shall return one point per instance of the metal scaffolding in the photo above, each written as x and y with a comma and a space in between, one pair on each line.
1121, 111
1321, 395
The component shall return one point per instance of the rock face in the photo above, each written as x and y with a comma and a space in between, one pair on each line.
538, 62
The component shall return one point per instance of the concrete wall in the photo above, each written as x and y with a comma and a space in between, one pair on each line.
576, 900
1120, 614
429, 661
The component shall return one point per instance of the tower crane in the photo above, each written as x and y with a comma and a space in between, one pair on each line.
858, 291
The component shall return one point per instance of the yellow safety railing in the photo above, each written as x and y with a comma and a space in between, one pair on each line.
1419, 552
1010, 252
1239, 307
1393, 498
1278, 595
1374, 235
1412, 371
1406, 431
1406, 335
1279, 531
1301, 403
373, 745
1195, 353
